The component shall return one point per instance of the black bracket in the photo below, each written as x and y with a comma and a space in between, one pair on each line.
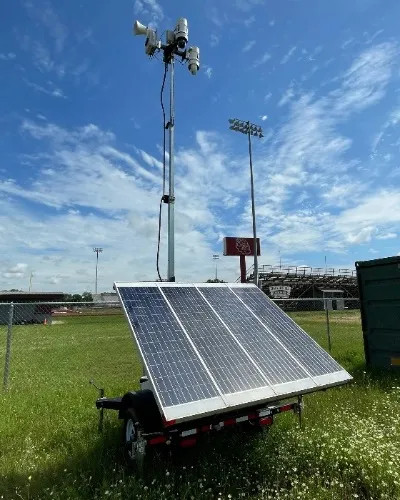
166, 198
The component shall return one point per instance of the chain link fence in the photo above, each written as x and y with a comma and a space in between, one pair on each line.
40, 342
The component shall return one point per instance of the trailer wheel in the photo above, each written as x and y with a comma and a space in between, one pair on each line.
134, 443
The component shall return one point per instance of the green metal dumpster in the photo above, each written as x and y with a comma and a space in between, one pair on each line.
379, 285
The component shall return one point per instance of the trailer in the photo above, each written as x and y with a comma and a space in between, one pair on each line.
145, 429
215, 356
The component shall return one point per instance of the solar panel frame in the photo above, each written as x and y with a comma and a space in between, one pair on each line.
225, 402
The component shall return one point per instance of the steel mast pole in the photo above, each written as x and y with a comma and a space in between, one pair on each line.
171, 173
97, 263
253, 209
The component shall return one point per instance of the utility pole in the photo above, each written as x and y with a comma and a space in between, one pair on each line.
245, 127
97, 250
175, 46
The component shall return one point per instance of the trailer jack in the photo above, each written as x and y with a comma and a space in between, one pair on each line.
101, 414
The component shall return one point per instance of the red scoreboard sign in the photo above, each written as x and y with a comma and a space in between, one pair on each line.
240, 246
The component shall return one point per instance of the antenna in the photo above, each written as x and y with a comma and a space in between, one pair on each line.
175, 46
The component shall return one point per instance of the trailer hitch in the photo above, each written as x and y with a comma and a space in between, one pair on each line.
101, 395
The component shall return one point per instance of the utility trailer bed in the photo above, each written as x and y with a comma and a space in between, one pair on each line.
145, 430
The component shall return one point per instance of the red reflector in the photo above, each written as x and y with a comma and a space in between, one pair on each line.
286, 407
205, 428
265, 421
186, 443
157, 440
229, 421
168, 423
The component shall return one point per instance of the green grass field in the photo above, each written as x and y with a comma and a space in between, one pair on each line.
49, 445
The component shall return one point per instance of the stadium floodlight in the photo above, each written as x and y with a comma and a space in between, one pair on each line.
175, 46
245, 127
97, 250
216, 259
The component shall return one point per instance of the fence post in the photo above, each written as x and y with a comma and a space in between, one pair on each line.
328, 330
8, 347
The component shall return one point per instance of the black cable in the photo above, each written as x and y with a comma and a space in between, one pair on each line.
164, 171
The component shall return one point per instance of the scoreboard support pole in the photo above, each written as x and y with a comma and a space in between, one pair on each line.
242, 268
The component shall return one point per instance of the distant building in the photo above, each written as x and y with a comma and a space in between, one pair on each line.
30, 307
107, 298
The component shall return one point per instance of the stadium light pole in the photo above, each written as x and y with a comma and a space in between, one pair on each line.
245, 127
216, 258
175, 46
97, 250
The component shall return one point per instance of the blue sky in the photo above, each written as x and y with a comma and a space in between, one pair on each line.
80, 142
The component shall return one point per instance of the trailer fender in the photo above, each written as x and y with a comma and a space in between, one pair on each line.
143, 406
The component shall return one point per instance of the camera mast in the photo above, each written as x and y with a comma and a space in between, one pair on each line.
175, 46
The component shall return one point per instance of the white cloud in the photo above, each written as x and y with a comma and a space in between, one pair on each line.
263, 117
150, 9
97, 194
392, 120
364, 235
287, 96
51, 90
268, 96
208, 71
262, 60
248, 46
364, 84
7, 56
15, 272
247, 5
48, 17
386, 236
249, 21
288, 55
347, 42
272, 23
303, 155
214, 40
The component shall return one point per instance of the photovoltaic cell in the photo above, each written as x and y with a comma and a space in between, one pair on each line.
177, 372
224, 357
301, 345
275, 362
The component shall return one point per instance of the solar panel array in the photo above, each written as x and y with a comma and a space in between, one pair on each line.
210, 348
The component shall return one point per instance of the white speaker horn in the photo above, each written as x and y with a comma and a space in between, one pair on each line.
139, 28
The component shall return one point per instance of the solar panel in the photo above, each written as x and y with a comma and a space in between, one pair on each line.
214, 347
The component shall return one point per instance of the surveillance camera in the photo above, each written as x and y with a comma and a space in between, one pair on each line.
193, 57
181, 32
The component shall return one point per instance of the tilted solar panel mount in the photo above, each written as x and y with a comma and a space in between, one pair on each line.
214, 347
